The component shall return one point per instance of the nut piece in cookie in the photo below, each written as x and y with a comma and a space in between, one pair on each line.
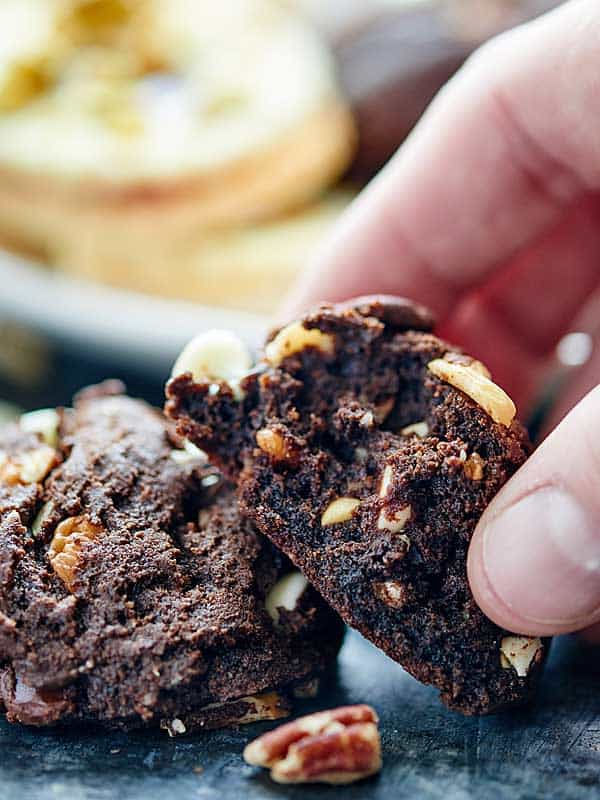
295, 338
286, 593
214, 355
133, 592
29, 466
399, 443
478, 386
338, 746
520, 652
70, 536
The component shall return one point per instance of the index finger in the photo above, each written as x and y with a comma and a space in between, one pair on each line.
503, 151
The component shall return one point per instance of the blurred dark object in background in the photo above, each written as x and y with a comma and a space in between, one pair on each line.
392, 66
37, 373
57, 334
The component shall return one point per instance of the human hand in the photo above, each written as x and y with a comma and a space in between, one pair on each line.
490, 214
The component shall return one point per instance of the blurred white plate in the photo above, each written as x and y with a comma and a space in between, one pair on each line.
118, 325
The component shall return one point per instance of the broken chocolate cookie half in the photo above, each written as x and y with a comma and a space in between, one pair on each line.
367, 449
132, 591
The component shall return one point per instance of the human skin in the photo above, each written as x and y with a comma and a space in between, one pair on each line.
490, 214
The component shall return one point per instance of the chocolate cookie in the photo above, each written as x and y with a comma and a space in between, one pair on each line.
132, 592
367, 449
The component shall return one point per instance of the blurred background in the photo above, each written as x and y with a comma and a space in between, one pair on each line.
168, 166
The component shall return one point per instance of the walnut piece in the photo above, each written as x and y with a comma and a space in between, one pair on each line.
65, 548
519, 652
478, 387
31, 466
340, 510
293, 339
285, 594
337, 747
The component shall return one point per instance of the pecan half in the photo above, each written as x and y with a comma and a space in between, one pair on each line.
69, 538
337, 746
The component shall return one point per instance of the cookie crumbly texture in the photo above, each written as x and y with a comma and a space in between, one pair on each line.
131, 590
370, 472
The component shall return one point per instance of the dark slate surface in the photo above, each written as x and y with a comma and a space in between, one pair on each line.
549, 751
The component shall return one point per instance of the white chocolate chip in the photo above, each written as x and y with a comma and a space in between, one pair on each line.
285, 594
394, 522
386, 481
478, 387
173, 727
519, 652
214, 355
420, 429
367, 420
45, 422
293, 339
340, 510
189, 454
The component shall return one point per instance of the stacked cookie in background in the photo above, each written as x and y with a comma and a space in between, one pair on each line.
175, 147
195, 150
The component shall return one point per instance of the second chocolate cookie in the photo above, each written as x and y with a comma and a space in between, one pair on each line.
367, 449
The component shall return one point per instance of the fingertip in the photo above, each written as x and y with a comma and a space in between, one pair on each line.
488, 599
490, 602
533, 564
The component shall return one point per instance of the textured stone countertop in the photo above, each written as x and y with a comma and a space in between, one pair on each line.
549, 751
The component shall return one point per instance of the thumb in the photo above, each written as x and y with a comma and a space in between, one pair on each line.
534, 562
